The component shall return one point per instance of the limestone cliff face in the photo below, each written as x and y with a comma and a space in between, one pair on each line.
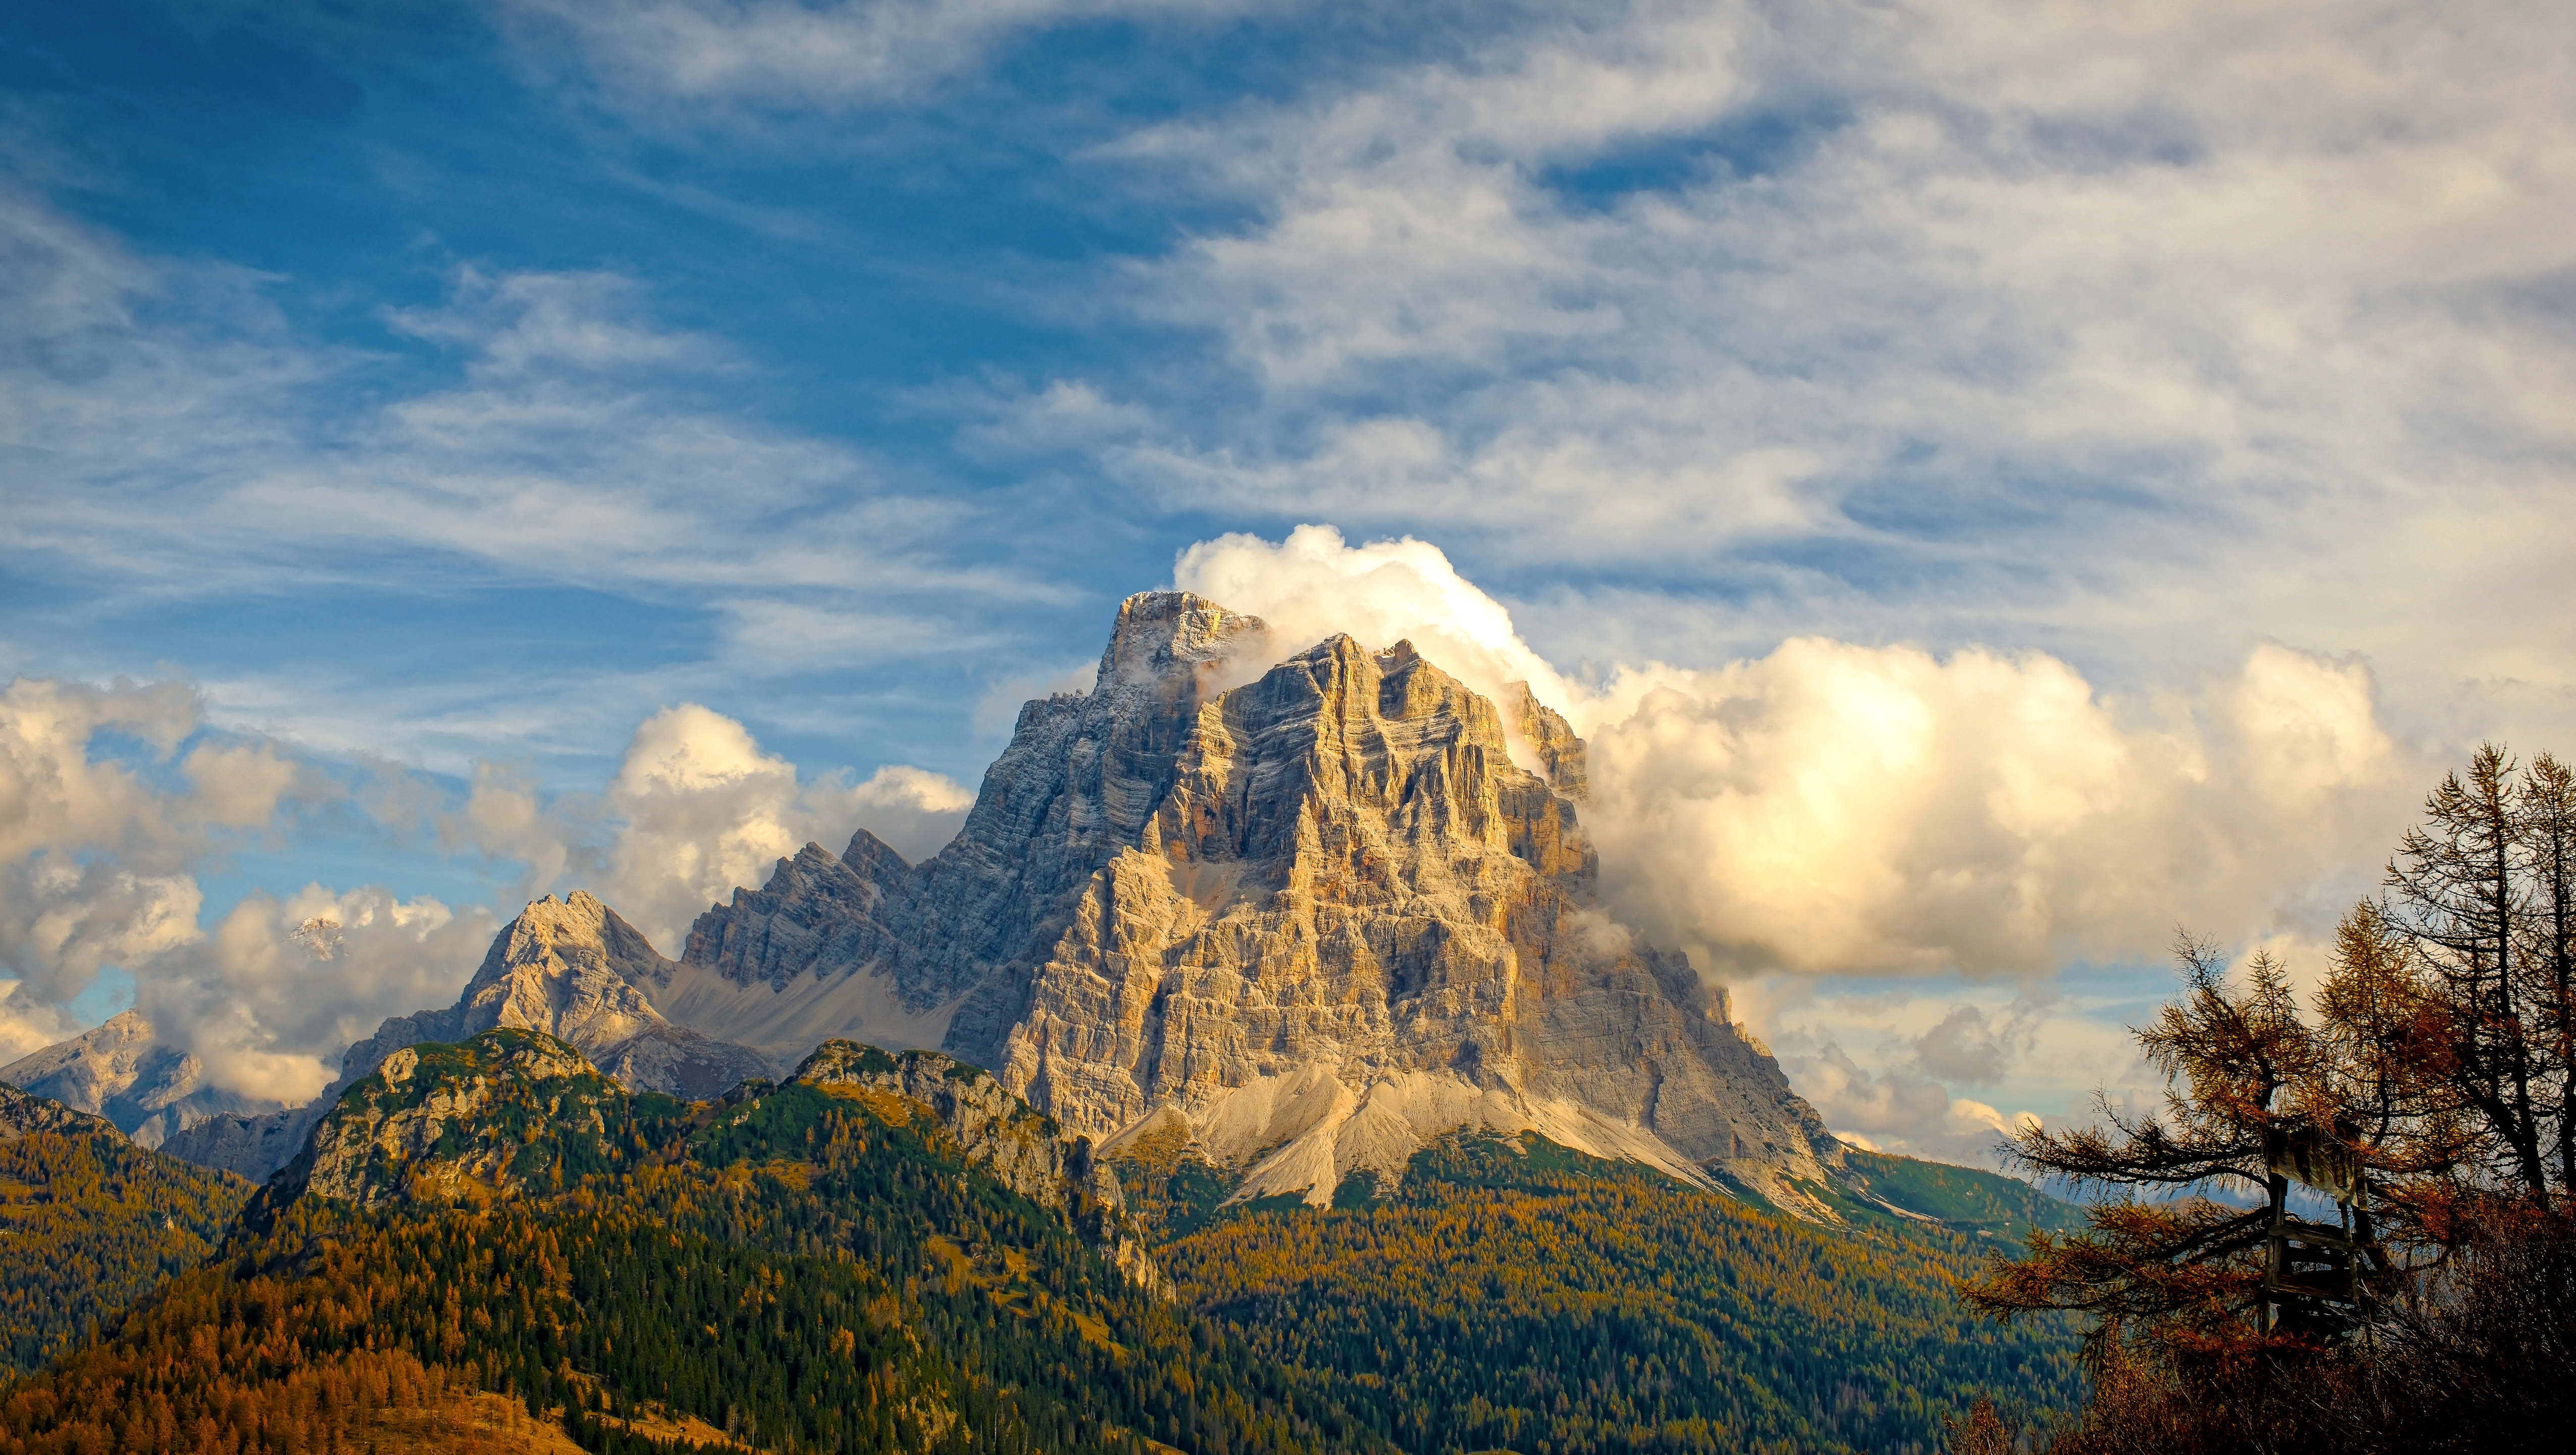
1028, 1151
1353, 923
949, 943
21, 1114
1306, 917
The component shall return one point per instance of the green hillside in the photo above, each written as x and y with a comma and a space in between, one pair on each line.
89, 1223
1883, 1189
788, 1270
490, 1246
1517, 1295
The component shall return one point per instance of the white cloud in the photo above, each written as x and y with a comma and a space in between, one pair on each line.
914, 810
778, 54
100, 848
107, 824
2121, 336
1313, 584
1833, 808
269, 1011
695, 810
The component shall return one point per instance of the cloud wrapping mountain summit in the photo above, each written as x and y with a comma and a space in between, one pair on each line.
1301, 915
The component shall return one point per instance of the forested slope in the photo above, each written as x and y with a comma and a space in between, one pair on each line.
1516, 1295
89, 1223
494, 1227
801, 1269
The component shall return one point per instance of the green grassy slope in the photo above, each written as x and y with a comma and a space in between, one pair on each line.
1988, 1205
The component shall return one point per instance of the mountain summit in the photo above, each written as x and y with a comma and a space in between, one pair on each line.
1294, 913
1302, 915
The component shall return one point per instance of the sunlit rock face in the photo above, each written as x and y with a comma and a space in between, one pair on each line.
1298, 915
123, 1070
572, 969
1312, 915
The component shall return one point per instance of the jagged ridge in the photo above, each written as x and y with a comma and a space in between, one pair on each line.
1309, 913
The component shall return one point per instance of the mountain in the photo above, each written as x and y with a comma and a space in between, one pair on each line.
889, 1251
90, 1222
572, 969
1302, 914
1296, 914
820, 1264
123, 1071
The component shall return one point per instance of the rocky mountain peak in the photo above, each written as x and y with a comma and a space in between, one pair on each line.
1304, 917
569, 969
124, 1071
572, 968
484, 1118
1169, 640
1297, 919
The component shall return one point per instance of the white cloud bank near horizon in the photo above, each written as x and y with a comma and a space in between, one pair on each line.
1825, 813
110, 826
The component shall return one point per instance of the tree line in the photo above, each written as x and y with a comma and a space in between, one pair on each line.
2407, 1131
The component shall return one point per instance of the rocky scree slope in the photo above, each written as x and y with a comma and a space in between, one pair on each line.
1302, 914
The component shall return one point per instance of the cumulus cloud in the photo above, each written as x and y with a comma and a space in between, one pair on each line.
1968, 1045
105, 824
96, 853
1833, 808
2025, 325
1897, 1111
695, 810
1313, 584
272, 995
114, 799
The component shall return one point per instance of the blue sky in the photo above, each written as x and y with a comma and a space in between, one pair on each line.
434, 386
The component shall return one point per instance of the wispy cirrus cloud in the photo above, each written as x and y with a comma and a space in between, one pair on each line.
1969, 322
779, 55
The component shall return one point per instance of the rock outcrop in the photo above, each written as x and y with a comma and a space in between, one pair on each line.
1308, 914
124, 1071
22, 1114
468, 1123
572, 969
1025, 1149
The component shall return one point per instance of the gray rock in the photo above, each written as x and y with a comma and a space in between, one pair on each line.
1318, 912
572, 969
124, 1071
677, 1061
22, 1113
